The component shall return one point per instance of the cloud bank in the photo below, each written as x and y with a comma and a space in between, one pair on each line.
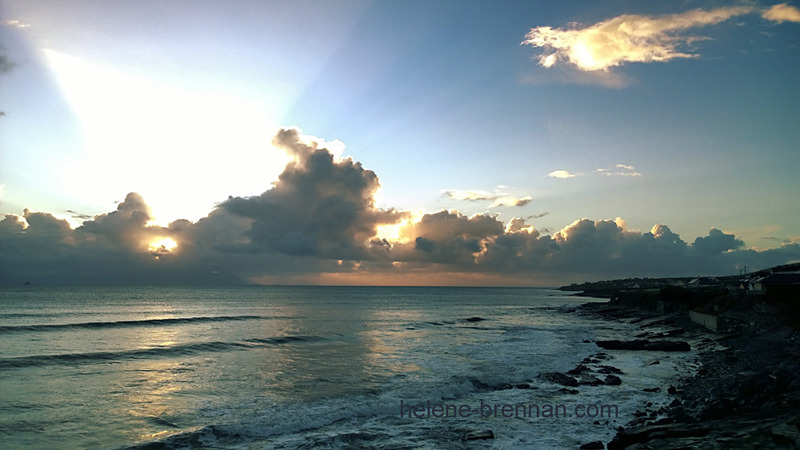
636, 38
319, 223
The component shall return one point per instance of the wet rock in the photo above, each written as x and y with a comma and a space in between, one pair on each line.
479, 435
655, 389
474, 319
559, 378
569, 391
578, 369
605, 370
785, 434
589, 380
627, 438
645, 345
596, 445
612, 380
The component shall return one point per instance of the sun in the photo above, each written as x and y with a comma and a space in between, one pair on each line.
163, 245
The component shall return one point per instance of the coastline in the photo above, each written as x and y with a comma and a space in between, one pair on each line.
744, 393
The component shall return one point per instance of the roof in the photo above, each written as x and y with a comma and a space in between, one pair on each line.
781, 278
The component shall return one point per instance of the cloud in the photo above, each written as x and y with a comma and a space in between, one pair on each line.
717, 242
5, 64
15, 23
563, 174
318, 224
620, 170
624, 39
497, 198
318, 206
782, 13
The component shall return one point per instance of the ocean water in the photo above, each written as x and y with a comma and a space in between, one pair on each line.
308, 367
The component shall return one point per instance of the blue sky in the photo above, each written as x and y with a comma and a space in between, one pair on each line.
637, 113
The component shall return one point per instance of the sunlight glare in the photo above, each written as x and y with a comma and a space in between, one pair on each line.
163, 245
130, 121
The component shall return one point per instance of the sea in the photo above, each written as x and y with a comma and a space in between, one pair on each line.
301, 367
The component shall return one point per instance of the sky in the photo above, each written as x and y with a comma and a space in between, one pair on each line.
530, 143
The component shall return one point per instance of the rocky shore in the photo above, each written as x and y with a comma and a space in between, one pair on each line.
746, 393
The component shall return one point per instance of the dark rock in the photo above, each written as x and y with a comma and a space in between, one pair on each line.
559, 378
671, 390
654, 363
645, 345
655, 389
612, 380
605, 370
627, 438
474, 319
589, 380
569, 391
596, 445
577, 370
479, 435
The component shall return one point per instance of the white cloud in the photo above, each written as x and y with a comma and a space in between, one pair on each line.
497, 198
782, 13
626, 38
620, 170
15, 23
563, 174
510, 200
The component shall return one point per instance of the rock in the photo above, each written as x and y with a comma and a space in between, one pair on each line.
569, 391
605, 370
589, 380
474, 319
654, 363
559, 378
612, 380
626, 438
479, 435
643, 344
655, 389
672, 390
785, 434
596, 445
578, 369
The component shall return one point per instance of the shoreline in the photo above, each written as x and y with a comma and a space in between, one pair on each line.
745, 393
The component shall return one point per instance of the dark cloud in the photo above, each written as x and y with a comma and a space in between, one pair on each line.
78, 215
716, 242
497, 198
318, 206
5, 64
319, 223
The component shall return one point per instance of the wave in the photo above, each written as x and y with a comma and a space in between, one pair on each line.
123, 323
149, 353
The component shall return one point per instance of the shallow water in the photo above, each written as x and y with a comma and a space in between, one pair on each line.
302, 367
